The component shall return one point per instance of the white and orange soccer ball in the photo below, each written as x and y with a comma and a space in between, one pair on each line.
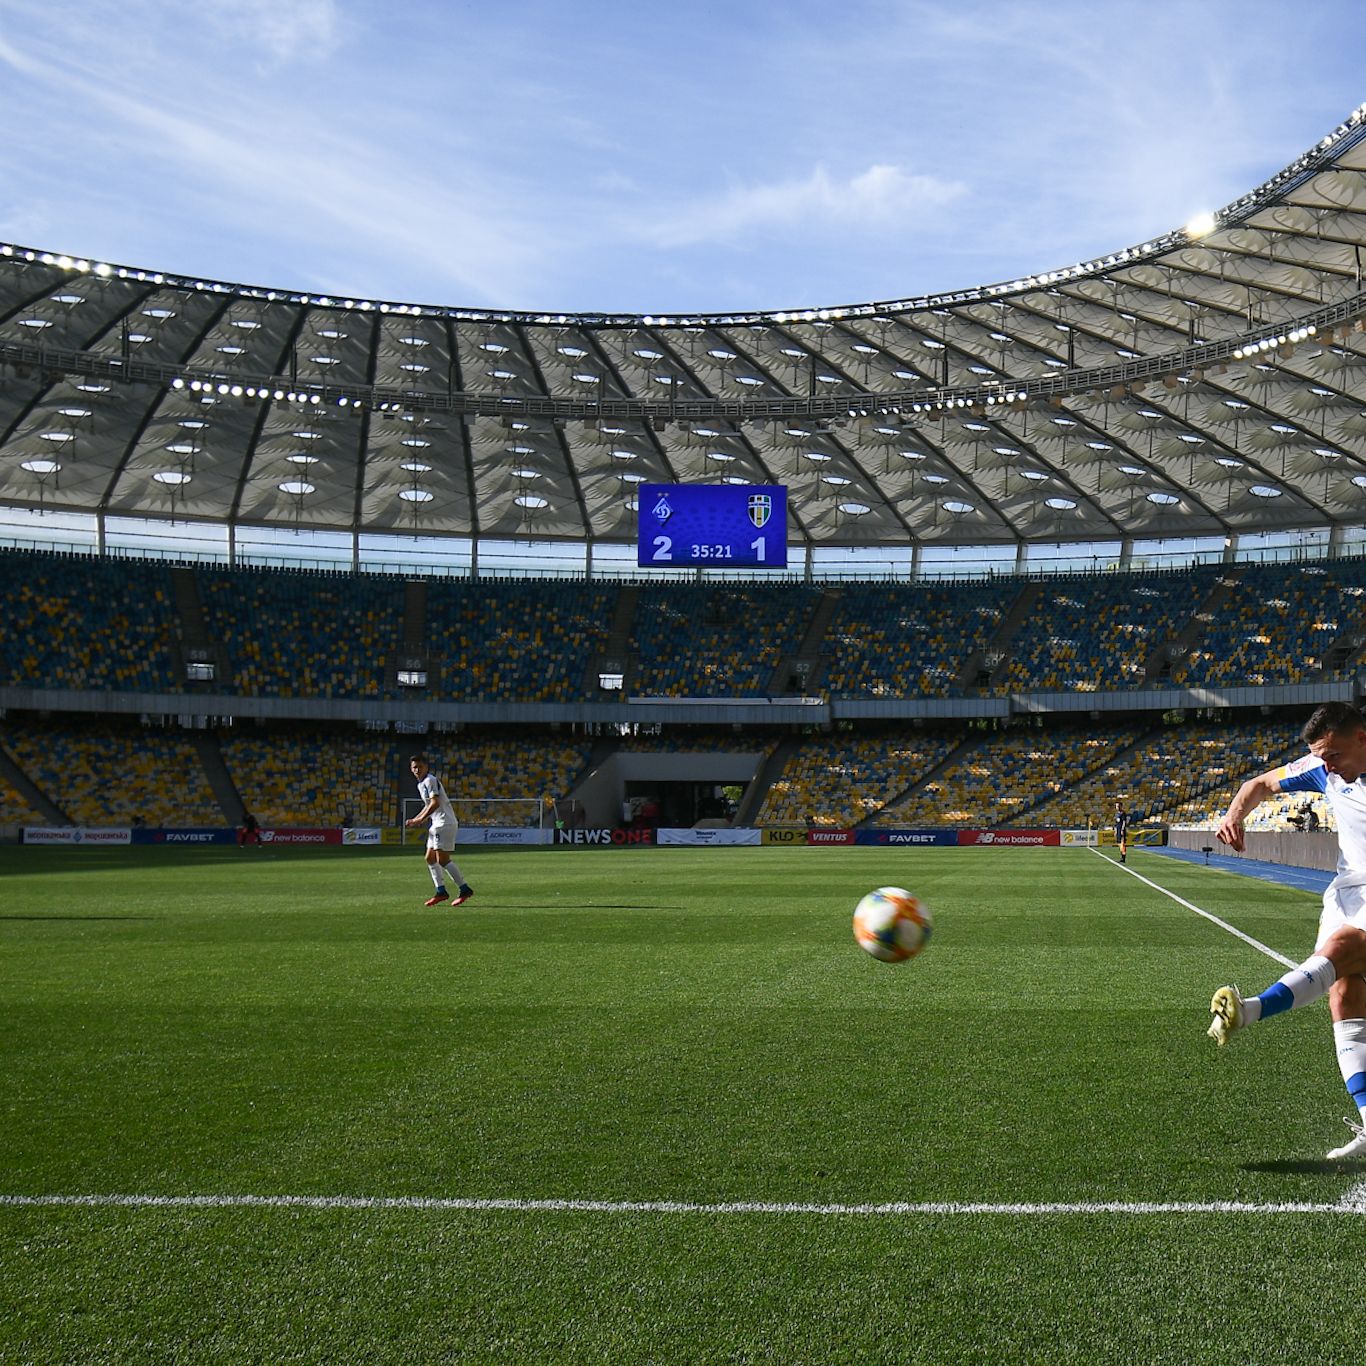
892, 925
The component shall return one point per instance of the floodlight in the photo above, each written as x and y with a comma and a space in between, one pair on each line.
1201, 225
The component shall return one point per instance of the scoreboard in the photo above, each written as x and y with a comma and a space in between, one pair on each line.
721, 525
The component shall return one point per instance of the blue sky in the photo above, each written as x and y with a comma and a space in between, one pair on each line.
647, 157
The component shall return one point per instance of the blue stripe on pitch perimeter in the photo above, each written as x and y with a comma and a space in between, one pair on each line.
1305, 879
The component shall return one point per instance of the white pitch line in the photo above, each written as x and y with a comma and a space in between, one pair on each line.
893, 1209
1213, 919
1354, 1197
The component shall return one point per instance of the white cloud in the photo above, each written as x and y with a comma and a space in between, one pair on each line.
332, 183
147, 33
284, 31
328, 187
881, 196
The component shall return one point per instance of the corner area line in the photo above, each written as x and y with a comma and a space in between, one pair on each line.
1354, 1197
947, 1208
1213, 919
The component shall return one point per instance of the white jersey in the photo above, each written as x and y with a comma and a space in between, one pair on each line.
1348, 801
443, 814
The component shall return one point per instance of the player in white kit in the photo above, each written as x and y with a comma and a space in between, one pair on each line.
1335, 766
440, 835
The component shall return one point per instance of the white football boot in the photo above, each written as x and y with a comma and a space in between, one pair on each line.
1354, 1147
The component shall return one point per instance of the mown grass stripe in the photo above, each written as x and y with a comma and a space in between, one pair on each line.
1190, 906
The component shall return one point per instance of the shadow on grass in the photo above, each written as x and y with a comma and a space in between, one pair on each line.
72, 859
602, 906
572, 906
1304, 1167
81, 917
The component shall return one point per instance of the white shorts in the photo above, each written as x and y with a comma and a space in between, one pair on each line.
1341, 906
442, 837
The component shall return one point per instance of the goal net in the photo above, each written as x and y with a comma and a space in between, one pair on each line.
477, 814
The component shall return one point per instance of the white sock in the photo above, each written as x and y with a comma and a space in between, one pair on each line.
435, 870
1350, 1037
456, 877
1298, 987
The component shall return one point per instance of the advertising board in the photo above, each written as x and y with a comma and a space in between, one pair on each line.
1010, 838
909, 838
667, 835
75, 834
605, 838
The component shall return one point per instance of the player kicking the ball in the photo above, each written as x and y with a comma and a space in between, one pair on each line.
440, 835
1335, 765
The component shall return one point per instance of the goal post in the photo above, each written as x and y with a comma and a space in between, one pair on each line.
478, 814
514, 813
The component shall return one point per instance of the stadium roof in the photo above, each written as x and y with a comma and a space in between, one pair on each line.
1210, 381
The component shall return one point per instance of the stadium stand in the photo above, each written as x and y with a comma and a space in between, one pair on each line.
1278, 624
76, 622
1298, 811
705, 640
1166, 769
14, 808
841, 780
501, 767
999, 779
909, 640
1216, 759
302, 776
311, 778
514, 640
81, 622
1095, 633
103, 773
304, 634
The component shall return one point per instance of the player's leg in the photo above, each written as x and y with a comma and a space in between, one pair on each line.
1339, 953
1347, 1001
463, 890
1298, 987
443, 837
434, 870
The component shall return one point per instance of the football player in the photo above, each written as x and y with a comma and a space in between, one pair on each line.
440, 834
1335, 766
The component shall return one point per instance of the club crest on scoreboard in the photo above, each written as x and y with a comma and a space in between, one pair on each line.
662, 511
760, 508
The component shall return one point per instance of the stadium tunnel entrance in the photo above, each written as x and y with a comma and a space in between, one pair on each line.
679, 804
685, 787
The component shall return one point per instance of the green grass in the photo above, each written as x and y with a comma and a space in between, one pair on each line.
655, 1025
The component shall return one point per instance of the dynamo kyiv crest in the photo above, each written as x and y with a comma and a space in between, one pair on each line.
760, 508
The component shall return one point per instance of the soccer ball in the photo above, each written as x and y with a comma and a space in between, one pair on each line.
891, 925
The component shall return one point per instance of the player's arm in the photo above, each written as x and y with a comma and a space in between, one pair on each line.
1251, 795
424, 813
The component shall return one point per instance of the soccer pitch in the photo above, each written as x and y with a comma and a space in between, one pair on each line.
654, 1105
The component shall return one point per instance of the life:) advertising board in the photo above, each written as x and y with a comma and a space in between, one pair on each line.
712, 524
